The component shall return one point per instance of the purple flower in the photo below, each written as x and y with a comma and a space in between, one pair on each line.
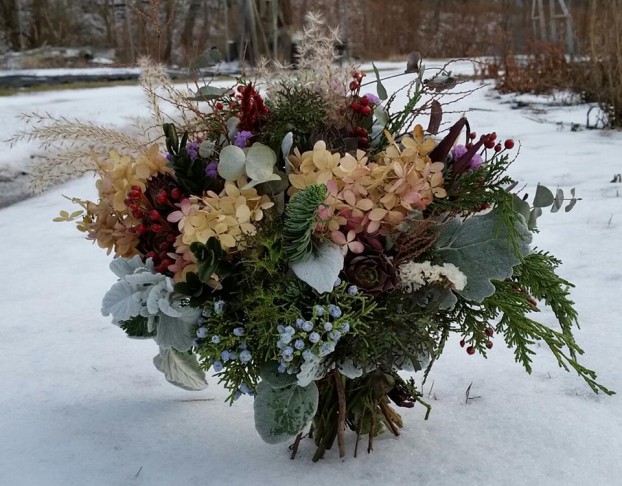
373, 99
241, 139
476, 162
169, 157
459, 150
211, 170
193, 150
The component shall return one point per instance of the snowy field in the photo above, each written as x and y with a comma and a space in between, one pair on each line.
80, 404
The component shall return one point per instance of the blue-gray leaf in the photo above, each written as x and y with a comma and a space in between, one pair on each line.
481, 249
282, 413
180, 369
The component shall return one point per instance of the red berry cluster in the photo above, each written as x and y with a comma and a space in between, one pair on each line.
156, 236
252, 111
490, 142
471, 349
360, 109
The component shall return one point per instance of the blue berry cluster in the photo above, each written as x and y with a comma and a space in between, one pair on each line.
308, 340
229, 347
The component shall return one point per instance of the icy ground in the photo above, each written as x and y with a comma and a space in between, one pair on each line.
80, 404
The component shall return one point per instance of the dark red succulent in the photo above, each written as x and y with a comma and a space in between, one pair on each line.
373, 273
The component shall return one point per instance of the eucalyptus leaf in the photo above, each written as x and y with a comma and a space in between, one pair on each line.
559, 201
320, 270
286, 147
571, 205
381, 116
349, 370
206, 93
282, 413
209, 58
543, 198
260, 161
382, 92
232, 163
521, 207
481, 249
232, 126
533, 218
180, 369
206, 149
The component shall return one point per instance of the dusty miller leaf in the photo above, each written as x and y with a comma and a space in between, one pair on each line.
480, 247
320, 270
180, 369
282, 413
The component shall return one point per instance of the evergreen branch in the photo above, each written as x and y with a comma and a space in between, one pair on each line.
299, 221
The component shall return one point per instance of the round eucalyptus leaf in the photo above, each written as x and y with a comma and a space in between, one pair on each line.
260, 160
231, 163
206, 149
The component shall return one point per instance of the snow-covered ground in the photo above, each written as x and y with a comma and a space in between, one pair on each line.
80, 404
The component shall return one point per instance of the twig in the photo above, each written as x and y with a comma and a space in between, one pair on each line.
136, 475
385, 412
341, 414
372, 431
294, 446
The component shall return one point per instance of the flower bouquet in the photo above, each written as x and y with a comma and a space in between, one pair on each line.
307, 240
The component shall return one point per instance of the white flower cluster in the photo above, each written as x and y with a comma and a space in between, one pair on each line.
414, 275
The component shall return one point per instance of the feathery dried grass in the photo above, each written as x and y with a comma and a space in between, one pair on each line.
318, 70
72, 146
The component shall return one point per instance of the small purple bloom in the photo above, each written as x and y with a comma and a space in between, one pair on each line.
169, 157
458, 152
193, 150
242, 138
373, 99
476, 162
211, 170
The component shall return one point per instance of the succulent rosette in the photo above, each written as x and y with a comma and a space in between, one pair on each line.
306, 243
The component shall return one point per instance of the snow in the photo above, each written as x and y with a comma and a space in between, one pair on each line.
82, 404
88, 71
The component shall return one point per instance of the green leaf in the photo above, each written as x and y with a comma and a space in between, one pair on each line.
205, 93
381, 115
232, 162
322, 269
286, 146
180, 369
533, 218
481, 249
300, 218
521, 207
209, 256
282, 413
207, 59
270, 374
382, 92
137, 328
206, 149
260, 161
543, 198
571, 205
559, 201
